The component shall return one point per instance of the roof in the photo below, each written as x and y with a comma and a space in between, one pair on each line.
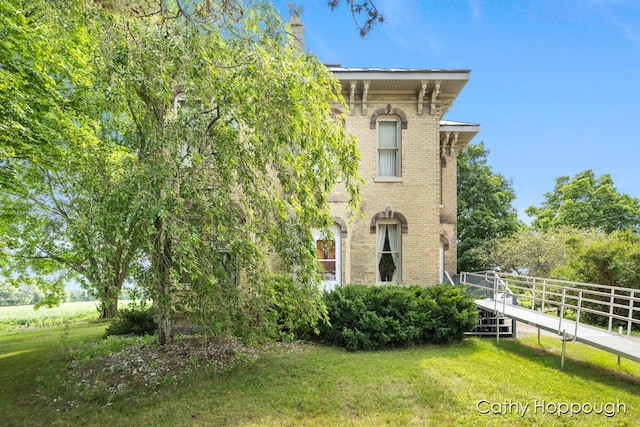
465, 131
458, 124
446, 83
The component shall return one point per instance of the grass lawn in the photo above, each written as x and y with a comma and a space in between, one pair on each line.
25, 316
321, 386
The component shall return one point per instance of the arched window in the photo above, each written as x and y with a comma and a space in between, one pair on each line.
389, 227
389, 147
389, 123
329, 254
389, 254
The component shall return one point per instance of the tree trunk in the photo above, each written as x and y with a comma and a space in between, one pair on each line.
162, 261
109, 308
109, 302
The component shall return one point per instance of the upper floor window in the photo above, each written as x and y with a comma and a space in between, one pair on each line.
389, 143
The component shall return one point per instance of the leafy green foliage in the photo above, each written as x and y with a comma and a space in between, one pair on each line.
237, 150
44, 52
65, 211
297, 310
484, 207
198, 128
606, 259
371, 318
586, 202
532, 252
134, 319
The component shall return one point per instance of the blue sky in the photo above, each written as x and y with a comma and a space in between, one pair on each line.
555, 84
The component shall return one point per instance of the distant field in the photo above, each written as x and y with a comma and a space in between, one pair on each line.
26, 316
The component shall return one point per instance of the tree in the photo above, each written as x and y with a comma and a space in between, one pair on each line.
610, 259
187, 135
484, 208
65, 211
534, 252
237, 148
41, 61
607, 259
75, 222
586, 202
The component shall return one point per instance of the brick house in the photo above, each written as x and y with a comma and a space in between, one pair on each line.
407, 233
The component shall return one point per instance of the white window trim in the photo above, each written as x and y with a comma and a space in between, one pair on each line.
398, 176
336, 233
388, 179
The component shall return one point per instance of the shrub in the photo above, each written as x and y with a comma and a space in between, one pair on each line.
371, 318
135, 319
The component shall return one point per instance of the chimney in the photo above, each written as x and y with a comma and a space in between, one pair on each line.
297, 29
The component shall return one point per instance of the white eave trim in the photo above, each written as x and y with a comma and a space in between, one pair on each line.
451, 126
399, 74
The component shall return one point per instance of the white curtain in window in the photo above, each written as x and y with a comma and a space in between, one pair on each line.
387, 144
382, 231
393, 246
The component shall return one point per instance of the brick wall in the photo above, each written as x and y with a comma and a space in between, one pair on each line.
417, 197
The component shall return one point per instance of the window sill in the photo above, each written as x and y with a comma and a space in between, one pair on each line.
388, 179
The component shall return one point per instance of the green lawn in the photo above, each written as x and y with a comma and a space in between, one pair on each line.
25, 316
320, 386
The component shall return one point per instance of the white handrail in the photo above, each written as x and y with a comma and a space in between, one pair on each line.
610, 303
448, 277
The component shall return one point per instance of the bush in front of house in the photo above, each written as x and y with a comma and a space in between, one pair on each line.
135, 319
388, 316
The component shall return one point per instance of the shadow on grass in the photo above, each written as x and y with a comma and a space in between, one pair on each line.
550, 357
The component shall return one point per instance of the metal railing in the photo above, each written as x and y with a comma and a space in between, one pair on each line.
591, 304
449, 279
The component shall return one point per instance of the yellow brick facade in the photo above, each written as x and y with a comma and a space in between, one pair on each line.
422, 200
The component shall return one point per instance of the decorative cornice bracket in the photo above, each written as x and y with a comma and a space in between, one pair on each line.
449, 144
434, 97
444, 143
365, 93
352, 96
421, 95
454, 144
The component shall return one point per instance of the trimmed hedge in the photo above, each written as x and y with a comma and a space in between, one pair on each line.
372, 318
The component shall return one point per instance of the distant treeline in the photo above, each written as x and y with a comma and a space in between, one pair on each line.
28, 295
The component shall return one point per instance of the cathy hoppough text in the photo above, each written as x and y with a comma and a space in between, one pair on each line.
539, 407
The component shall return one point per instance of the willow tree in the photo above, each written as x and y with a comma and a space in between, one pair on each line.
237, 147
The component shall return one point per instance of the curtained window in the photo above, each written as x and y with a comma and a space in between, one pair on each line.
389, 147
388, 260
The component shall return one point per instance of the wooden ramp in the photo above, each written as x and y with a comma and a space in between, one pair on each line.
622, 345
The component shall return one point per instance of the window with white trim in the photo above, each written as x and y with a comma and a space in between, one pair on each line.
389, 143
326, 250
388, 252
329, 255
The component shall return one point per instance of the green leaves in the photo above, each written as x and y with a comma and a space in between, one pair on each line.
182, 138
485, 208
586, 202
237, 150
